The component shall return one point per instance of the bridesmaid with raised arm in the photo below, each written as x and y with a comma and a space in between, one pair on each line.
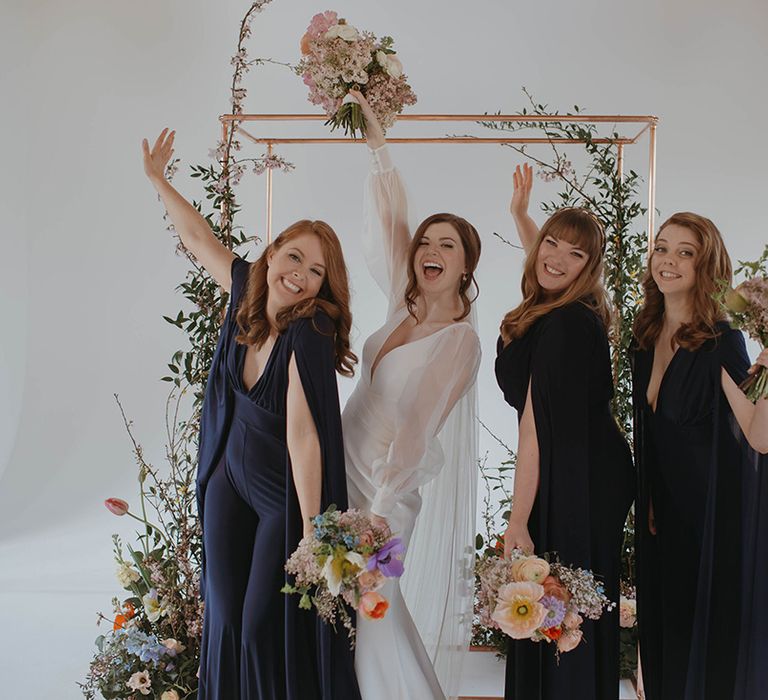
271, 453
702, 484
573, 479
410, 438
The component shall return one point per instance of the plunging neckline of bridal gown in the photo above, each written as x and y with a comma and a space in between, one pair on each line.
410, 448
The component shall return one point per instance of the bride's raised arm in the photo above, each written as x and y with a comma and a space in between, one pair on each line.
387, 236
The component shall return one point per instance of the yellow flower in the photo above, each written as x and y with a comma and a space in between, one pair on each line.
735, 302
340, 564
518, 612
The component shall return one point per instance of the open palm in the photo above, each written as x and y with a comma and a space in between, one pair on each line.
156, 160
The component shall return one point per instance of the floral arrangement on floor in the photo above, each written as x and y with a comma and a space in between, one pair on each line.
152, 644
336, 58
530, 597
747, 306
343, 563
628, 632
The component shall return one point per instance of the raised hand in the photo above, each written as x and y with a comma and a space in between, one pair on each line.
157, 159
521, 195
374, 134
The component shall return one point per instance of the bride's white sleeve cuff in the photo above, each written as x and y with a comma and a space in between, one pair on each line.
381, 162
383, 502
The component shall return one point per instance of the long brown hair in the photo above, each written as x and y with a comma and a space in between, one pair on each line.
579, 227
333, 297
470, 241
712, 265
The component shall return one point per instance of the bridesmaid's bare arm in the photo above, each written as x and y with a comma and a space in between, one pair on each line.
303, 448
526, 483
192, 228
752, 418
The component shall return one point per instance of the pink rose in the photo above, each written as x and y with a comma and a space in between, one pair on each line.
371, 580
116, 505
569, 640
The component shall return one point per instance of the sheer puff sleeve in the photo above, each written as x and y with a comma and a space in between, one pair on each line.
433, 389
386, 233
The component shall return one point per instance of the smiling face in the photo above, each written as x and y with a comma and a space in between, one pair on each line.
673, 263
296, 270
559, 263
440, 261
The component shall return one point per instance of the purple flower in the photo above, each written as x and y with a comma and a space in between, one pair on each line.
386, 559
555, 611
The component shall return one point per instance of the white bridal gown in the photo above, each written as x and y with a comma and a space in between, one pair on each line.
410, 436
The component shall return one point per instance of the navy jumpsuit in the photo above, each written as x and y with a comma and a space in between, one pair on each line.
257, 644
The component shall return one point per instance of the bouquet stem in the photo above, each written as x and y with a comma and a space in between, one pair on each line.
350, 117
756, 386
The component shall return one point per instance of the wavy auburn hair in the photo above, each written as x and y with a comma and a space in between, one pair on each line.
712, 265
579, 227
470, 241
333, 297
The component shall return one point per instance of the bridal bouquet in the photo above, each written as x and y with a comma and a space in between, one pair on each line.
345, 561
747, 306
336, 58
528, 597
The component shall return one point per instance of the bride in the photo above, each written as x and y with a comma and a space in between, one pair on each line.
410, 438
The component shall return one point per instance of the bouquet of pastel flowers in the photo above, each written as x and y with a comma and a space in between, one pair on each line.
345, 561
337, 58
747, 306
529, 597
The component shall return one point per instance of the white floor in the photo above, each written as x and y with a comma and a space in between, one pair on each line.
483, 678
51, 586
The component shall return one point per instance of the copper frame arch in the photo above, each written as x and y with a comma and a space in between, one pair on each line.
642, 122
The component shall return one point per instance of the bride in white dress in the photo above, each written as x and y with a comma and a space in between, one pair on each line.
410, 437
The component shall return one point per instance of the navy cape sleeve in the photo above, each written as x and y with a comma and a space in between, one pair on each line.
560, 394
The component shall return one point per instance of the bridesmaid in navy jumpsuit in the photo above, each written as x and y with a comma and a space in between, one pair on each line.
271, 454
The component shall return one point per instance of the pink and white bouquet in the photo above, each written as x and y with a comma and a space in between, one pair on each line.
747, 306
528, 597
345, 562
336, 58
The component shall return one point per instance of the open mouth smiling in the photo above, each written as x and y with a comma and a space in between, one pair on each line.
291, 287
432, 270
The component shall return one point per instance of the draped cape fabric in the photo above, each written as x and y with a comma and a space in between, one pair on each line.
584, 492
702, 621
426, 415
310, 342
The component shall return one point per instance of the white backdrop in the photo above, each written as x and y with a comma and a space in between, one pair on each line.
86, 268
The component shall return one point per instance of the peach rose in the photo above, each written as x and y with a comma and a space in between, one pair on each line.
533, 569
627, 612
572, 620
305, 44
569, 640
373, 605
554, 588
518, 612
